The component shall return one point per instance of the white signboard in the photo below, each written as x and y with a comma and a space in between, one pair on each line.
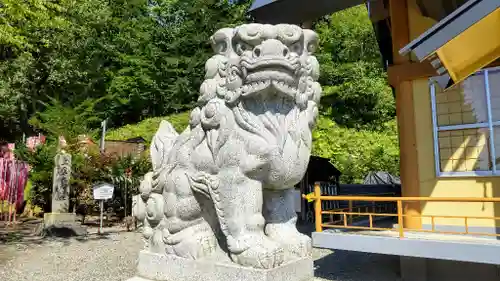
103, 191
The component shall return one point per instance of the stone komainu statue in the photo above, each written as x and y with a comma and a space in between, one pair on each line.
223, 187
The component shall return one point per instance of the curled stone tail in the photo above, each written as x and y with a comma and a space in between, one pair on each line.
162, 144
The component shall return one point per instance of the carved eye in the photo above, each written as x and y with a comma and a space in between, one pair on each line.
221, 47
296, 48
242, 47
311, 47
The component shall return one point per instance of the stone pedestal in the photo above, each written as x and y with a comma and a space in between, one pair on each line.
59, 219
156, 267
62, 224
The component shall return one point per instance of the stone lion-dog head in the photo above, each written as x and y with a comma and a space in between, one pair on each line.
265, 73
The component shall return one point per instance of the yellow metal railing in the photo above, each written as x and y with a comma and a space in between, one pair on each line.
346, 216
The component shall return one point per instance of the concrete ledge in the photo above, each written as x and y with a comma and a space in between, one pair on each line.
159, 267
410, 247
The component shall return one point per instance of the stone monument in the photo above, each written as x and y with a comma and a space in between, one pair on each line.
60, 217
219, 202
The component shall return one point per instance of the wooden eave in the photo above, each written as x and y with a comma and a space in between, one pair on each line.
296, 11
427, 45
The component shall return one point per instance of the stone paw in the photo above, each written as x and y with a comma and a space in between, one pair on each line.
299, 245
263, 253
194, 246
296, 244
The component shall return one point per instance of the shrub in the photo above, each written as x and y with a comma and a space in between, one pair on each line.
87, 169
94, 167
357, 152
147, 128
41, 162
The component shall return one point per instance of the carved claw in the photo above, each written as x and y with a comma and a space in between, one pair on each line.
194, 242
262, 253
196, 247
297, 245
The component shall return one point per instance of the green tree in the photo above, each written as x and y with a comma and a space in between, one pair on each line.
28, 31
145, 57
355, 89
357, 152
59, 120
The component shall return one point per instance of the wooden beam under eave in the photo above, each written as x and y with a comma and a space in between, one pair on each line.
409, 71
396, 74
410, 183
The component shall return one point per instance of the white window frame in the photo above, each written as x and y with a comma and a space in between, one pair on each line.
490, 124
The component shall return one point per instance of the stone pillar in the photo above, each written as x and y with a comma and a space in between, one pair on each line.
60, 217
60, 186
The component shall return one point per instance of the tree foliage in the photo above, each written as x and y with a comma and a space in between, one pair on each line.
357, 152
146, 58
70, 122
28, 32
355, 89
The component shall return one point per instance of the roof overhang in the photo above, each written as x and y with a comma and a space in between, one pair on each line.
463, 42
296, 11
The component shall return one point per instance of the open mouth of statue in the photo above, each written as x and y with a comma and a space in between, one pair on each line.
264, 74
268, 69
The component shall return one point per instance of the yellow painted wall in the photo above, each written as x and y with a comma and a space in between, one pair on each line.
430, 186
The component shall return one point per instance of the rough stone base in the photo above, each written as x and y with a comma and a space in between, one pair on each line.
50, 219
158, 267
62, 224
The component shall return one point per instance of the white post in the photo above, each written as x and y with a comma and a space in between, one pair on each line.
101, 205
125, 190
103, 125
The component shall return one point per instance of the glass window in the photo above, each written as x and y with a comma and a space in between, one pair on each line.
466, 122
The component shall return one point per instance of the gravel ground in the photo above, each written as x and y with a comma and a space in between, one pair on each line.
112, 258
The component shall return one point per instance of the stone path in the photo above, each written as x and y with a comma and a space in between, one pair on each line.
112, 258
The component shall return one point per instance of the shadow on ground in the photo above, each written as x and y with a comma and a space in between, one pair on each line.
22, 231
30, 231
337, 265
357, 266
